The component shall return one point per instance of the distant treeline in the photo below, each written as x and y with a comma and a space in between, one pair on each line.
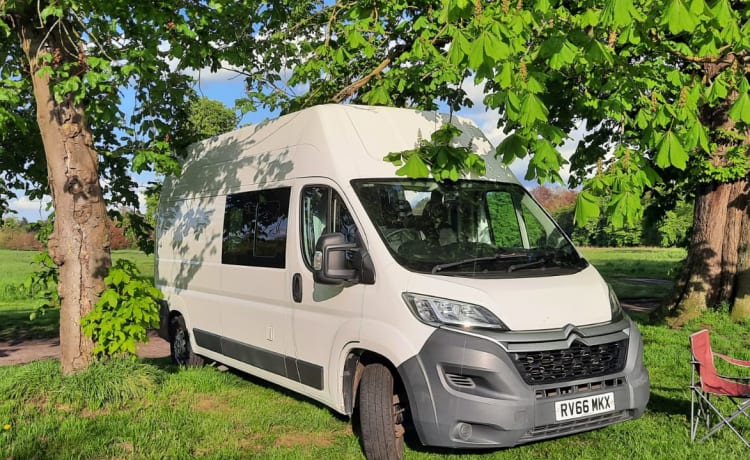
661, 226
19, 234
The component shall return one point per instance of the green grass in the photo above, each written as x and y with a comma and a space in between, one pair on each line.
151, 409
626, 269
16, 305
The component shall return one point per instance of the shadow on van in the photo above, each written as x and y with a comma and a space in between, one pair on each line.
187, 213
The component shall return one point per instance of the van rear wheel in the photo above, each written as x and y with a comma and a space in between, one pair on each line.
181, 351
380, 414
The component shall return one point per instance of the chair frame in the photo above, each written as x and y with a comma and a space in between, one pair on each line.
705, 382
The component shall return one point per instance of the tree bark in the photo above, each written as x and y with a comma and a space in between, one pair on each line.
741, 307
716, 269
80, 241
736, 208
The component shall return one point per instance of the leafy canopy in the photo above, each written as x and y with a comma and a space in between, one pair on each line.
660, 85
112, 55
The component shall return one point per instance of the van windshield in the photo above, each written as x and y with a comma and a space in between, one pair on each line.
467, 228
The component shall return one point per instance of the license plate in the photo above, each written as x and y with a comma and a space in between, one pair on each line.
584, 407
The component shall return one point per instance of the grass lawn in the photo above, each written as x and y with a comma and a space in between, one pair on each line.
16, 304
637, 273
150, 409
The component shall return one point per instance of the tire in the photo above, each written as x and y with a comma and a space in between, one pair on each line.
179, 344
380, 415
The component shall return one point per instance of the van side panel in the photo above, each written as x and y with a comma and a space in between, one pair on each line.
255, 312
188, 267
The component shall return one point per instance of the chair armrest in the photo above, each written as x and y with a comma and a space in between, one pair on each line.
736, 362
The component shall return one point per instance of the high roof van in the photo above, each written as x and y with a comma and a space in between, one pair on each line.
292, 251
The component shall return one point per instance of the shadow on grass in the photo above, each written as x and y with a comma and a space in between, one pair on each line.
666, 405
15, 325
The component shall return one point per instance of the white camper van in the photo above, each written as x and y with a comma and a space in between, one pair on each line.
292, 251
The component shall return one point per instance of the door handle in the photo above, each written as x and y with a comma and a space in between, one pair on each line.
297, 287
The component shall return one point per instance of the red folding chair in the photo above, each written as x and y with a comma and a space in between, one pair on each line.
710, 383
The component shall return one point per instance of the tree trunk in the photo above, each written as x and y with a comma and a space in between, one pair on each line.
741, 307
80, 241
713, 271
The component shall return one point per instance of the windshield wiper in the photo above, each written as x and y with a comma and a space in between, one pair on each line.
498, 256
533, 263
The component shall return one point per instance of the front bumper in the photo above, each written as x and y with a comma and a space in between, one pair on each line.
469, 390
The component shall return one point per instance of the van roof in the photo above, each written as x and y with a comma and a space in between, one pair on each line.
334, 140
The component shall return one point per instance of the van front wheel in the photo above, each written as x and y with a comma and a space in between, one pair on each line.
182, 352
380, 414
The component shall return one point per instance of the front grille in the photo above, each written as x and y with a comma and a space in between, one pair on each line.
575, 426
577, 362
578, 389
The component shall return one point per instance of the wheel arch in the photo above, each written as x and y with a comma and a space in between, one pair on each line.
354, 364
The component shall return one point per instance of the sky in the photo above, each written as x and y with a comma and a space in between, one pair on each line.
226, 86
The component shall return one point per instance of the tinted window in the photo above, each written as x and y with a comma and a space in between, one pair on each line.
255, 225
466, 228
323, 211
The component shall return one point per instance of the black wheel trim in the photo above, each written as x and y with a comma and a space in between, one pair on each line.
180, 347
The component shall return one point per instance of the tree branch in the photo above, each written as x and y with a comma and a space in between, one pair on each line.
354, 87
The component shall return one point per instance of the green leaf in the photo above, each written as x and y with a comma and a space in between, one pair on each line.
595, 51
355, 39
590, 17
395, 157
717, 90
560, 52
587, 207
532, 110
495, 47
513, 105
723, 13
512, 147
642, 119
477, 54
697, 7
678, 17
505, 77
670, 152
697, 137
109, 297
740, 110
414, 168
618, 13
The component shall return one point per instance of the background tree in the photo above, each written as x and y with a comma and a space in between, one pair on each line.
205, 118
662, 86
65, 66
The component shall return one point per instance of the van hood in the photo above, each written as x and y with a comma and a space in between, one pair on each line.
530, 303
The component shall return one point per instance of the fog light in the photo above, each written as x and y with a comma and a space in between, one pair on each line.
464, 431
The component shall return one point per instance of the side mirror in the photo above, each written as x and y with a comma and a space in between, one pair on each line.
331, 266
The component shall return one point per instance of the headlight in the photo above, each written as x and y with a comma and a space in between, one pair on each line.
436, 311
614, 305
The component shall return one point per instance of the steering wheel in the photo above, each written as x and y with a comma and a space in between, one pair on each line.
391, 236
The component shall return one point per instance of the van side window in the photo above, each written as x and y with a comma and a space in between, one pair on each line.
314, 218
323, 211
255, 225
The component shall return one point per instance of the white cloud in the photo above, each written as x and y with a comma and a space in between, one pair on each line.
31, 210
